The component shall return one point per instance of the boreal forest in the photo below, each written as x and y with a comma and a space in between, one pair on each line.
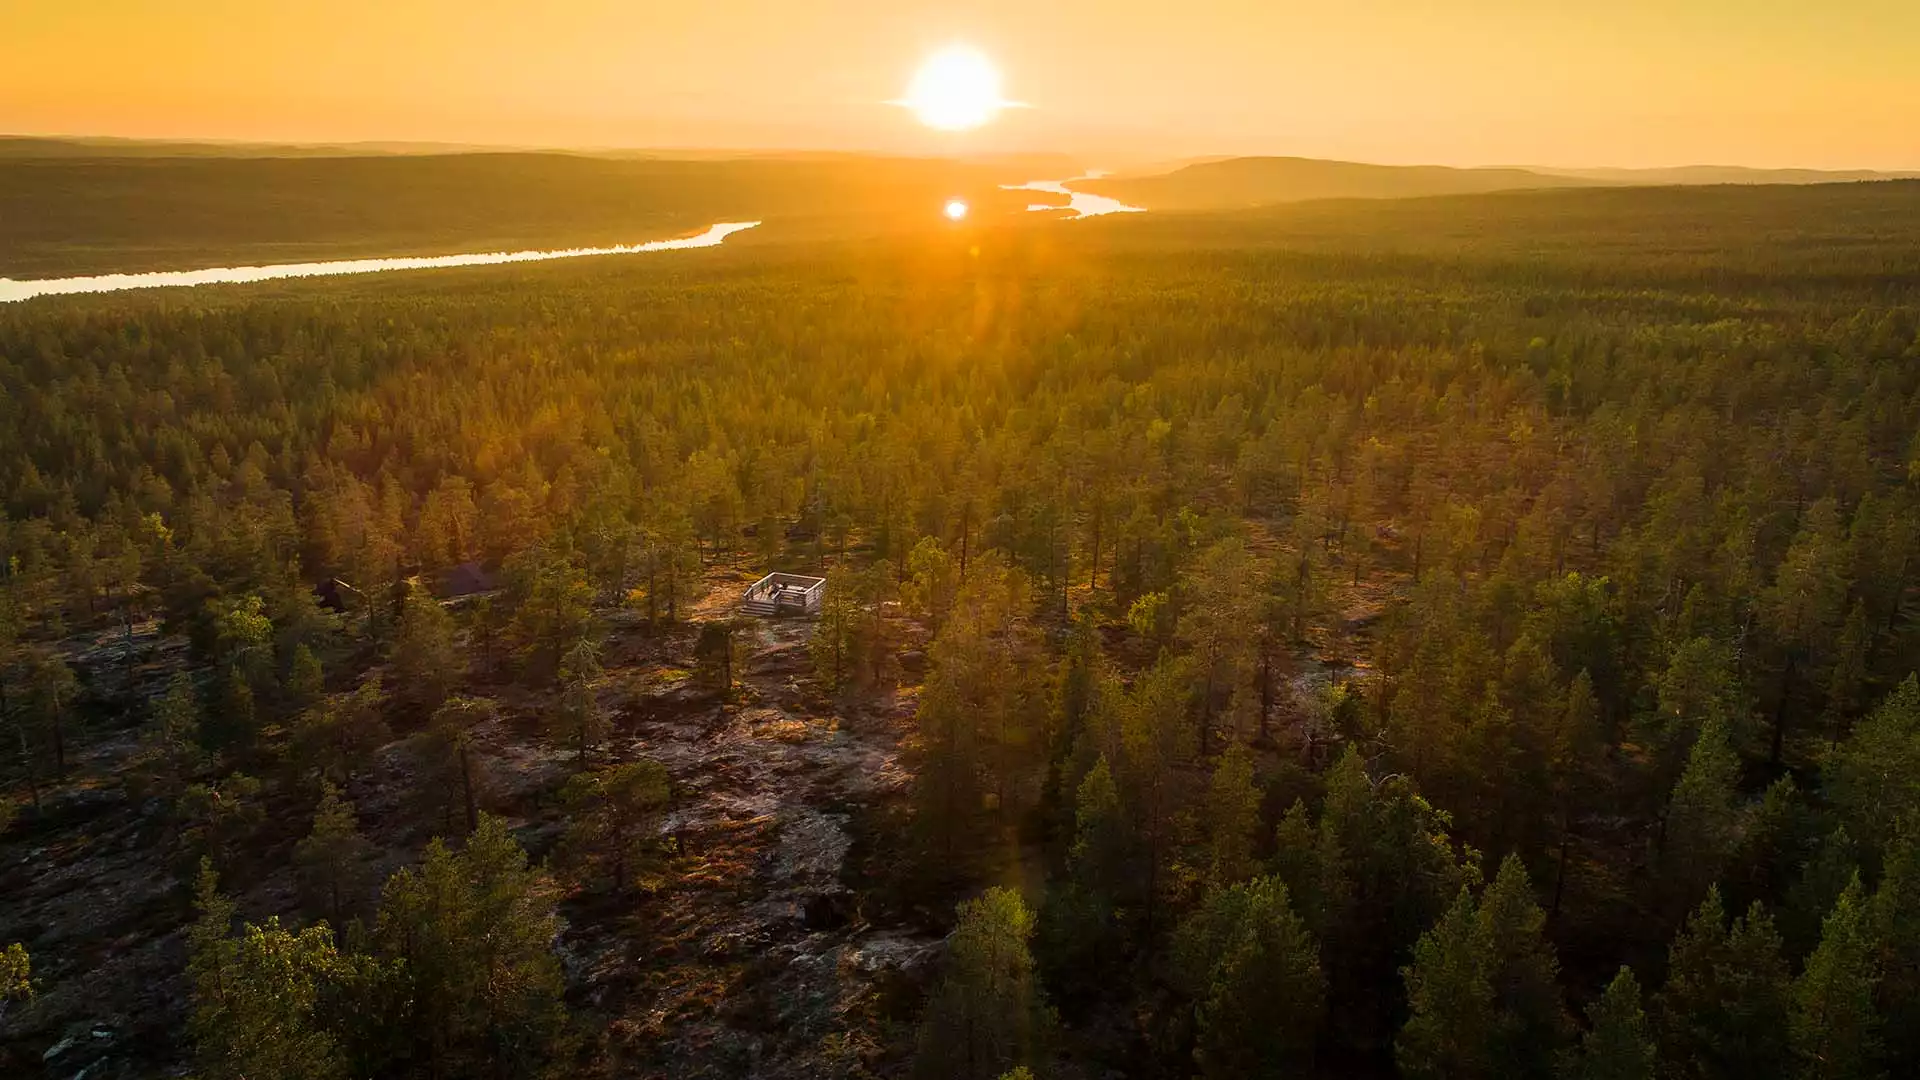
1456, 637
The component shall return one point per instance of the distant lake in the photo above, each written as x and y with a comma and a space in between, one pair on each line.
1082, 204
11, 290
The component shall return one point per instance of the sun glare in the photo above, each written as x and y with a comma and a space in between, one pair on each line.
956, 89
956, 210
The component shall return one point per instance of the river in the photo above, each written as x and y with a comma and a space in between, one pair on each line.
11, 290
1081, 203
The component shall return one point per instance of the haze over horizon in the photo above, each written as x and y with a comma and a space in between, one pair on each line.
1487, 82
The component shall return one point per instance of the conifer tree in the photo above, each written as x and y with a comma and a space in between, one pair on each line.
51, 689
1102, 844
454, 772
1253, 974
170, 756
1450, 996
306, 683
257, 998
1533, 1024
1702, 820
426, 666
336, 737
1618, 1044
472, 934
332, 860
987, 1015
1835, 864
1835, 1030
1232, 817
1723, 1011
16, 974
1874, 775
613, 820
1082, 924
1484, 989
580, 720
1894, 926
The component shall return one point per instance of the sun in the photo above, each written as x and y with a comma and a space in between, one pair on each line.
956, 210
956, 89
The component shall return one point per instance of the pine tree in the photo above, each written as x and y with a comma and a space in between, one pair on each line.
1618, 1044
16, 975
454, 776
1232, 817
336, 737
232, 724
1775, 849
933, 580
1723, 1011
1849, 672
220, 817
1102, 843
1834, 865
1894, 925
306, 683
1533, 1023
1253, 974
472, 936
1484, 988
1385, 870
1702, 824
1578, 750
426, 667
1218, 610
580, 720
1296, 862
715, 649
332, 860
1874, 775
1082, 931
987, 1014
257, 998
170, 756
1835, 1029
51, 689
1449, 1034
613, 820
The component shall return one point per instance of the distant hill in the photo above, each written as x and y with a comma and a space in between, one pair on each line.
34, 146
1725, 236
1247, 182
1726, 174
1240, 183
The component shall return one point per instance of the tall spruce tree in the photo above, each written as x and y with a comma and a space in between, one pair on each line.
1835, 1029
1618, 1044
987, 1015
1253, 974
1724, 1009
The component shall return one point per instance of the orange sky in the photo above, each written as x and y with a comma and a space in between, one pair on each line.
1824, 83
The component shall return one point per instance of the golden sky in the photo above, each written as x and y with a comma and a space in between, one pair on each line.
1823, 83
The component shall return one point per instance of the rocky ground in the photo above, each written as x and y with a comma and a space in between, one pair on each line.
766, 944
762, 954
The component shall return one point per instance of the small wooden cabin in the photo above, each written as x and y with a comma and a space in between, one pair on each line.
784, 594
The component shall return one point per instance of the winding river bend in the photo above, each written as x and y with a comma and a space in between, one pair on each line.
1081, 203
11, 290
